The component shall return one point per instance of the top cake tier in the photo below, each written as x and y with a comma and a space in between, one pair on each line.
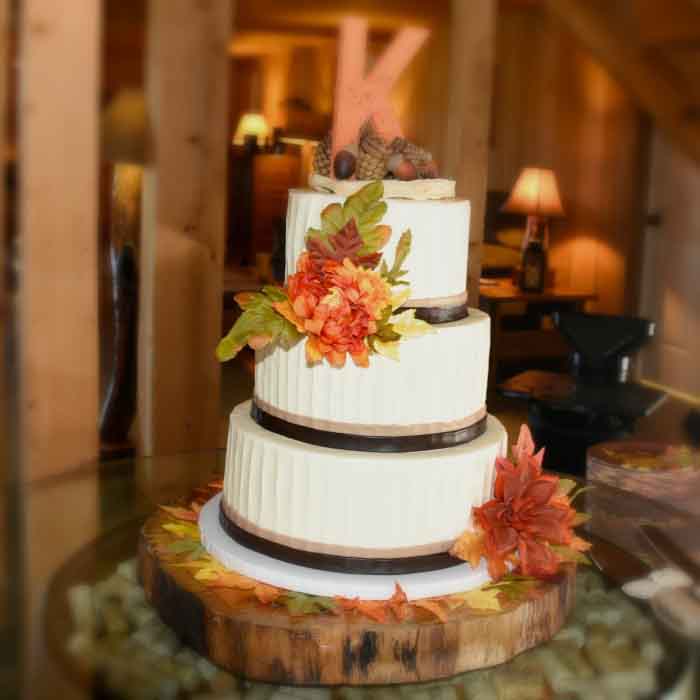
437, 263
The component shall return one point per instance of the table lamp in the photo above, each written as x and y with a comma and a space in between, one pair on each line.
252, 124
535, 194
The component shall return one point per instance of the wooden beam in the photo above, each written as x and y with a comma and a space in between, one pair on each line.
676, 22
667, 104
468, 116
183, 224
58, 201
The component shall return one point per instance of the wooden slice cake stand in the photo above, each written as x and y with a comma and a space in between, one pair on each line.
265, 642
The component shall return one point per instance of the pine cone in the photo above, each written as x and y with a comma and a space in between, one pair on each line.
398, 144
322, 157
417, 155
373, 158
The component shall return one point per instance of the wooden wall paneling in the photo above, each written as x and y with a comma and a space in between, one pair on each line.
276, 70
469, 115
670, 283
183, 224
58, 195
557, 107
596, 28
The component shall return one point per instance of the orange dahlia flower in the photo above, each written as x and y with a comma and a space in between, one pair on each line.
527, 514
337, 305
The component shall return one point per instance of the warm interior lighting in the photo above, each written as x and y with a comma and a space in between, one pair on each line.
535, 193
252, 123
125, 128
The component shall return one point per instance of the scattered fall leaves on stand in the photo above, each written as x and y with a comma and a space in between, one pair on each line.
181, 541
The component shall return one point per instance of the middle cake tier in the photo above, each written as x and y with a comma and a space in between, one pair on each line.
352, 504
438, 386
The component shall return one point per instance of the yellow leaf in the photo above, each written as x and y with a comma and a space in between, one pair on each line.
407, 325
389, 349
183, 530
566, 486
400, 299
469, 546
181, 513
208, 573
206, 569
284, 308
479, 599
230, 579
313, 352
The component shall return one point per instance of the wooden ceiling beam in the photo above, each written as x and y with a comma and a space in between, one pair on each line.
667, 104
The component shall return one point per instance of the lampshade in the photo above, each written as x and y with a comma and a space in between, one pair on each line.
535, 193
252, 123
125, 128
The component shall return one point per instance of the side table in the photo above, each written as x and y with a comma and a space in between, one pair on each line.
496, 298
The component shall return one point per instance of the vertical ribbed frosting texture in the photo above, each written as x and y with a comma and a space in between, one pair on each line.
440, 378
355, 503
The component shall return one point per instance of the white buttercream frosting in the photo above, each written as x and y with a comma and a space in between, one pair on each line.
343, 498
440, 377
437, 263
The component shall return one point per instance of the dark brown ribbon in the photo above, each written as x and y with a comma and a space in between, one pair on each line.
440, 314
367, 443
334, 562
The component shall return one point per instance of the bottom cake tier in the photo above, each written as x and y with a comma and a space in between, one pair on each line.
353, 505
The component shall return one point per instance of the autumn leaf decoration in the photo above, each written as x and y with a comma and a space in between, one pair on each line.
180, 541
352, 230
259, 324
527, 527
336, 298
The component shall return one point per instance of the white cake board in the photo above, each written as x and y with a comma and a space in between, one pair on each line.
302, 579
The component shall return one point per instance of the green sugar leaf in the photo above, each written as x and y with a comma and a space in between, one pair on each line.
568, 554
274, 293
332, 219
259, 319
185, 546
403, 248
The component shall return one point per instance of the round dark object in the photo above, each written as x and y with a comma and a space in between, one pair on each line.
344, 165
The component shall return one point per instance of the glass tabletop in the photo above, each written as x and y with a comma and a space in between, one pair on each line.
76, 535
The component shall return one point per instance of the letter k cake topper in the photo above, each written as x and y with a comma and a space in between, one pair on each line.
359, 97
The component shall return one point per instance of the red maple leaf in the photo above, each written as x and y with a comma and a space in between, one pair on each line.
345, 243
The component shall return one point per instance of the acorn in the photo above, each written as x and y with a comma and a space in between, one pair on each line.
344, 165
429, 170
406, 170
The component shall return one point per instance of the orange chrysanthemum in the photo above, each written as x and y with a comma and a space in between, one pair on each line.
337, 306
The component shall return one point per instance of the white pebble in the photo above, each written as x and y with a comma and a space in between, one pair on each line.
129, 570
83, 609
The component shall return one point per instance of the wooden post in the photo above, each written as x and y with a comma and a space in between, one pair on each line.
183, 223
58, 200
468, 117
58, 357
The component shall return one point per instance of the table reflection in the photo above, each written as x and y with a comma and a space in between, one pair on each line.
79, 529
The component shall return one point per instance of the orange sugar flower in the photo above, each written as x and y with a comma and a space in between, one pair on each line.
526, 515
337, 306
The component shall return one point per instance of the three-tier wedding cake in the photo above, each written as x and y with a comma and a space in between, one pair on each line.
367, 441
